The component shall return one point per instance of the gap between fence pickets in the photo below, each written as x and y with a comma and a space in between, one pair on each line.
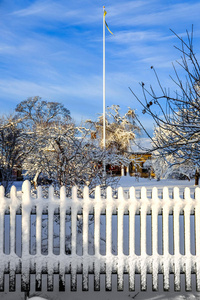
101, 264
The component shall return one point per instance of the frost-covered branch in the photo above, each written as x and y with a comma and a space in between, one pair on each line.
176, 115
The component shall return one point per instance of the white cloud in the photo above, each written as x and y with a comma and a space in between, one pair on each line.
156, 13
54, 49
57, 11
37, 8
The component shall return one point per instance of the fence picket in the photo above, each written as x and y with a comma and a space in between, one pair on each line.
26, 210
132, 211
120, 226
187, 211
143, 214
109, 210
165, 214
177, 208
197, 236
155, 209
2, 213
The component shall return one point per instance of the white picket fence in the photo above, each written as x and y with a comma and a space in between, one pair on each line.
149, 261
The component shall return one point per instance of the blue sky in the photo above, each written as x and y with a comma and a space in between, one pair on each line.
53, 49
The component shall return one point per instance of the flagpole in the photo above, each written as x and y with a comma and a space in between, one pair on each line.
104, 90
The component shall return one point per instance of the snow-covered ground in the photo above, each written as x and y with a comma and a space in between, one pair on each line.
126, 183
36, 298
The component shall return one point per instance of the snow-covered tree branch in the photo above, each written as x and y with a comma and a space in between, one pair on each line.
177, 115
120, 129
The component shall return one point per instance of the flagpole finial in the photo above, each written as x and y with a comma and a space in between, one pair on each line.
103, 6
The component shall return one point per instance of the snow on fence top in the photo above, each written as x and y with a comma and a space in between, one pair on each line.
153, 225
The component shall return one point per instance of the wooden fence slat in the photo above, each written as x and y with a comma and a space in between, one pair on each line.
197, 236
188, 267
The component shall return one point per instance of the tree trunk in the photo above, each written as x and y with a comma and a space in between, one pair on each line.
122, 170
127, 171
196, 177
35, 179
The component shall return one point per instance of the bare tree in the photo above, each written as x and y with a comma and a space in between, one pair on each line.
62, 153
120, 129
12, 151
177, 115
